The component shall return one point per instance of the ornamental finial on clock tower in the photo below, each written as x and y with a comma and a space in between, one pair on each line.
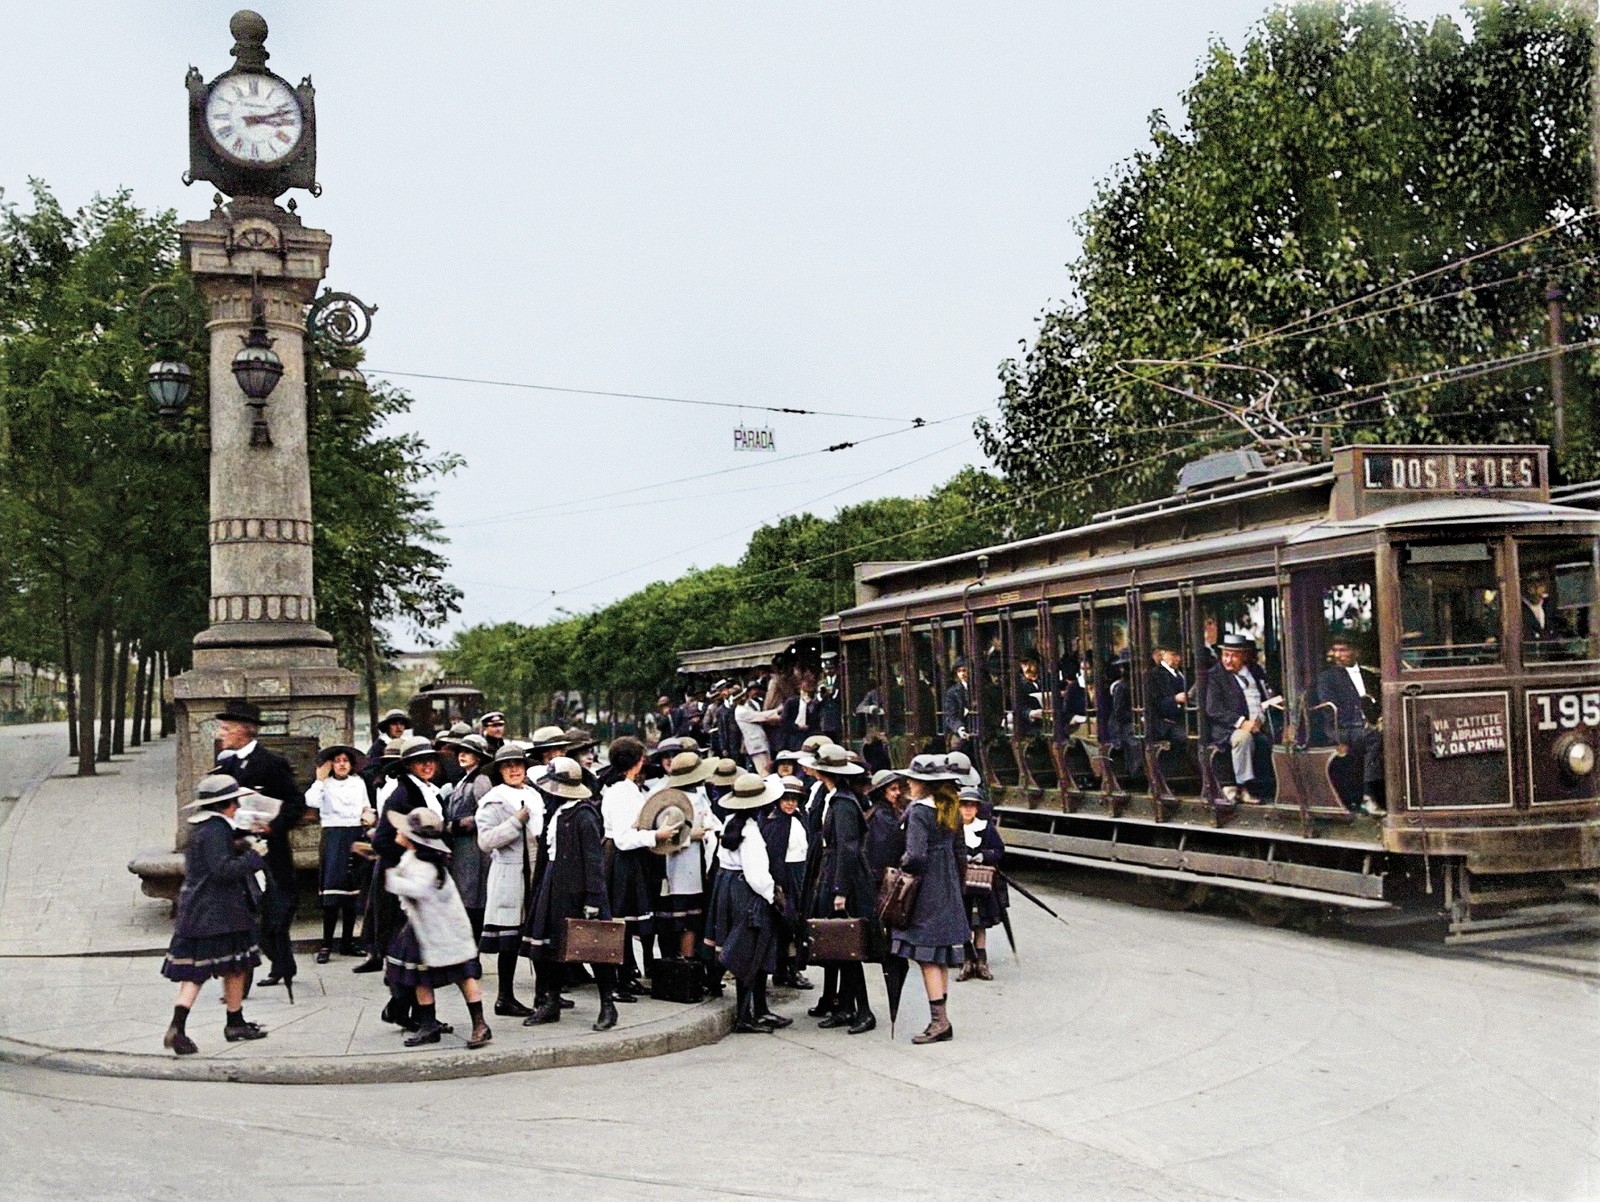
249, 30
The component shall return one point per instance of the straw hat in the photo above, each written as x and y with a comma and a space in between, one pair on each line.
563, 778
791, 785
327, 754
882, 778
217, 789
727, 771
835, 761
478, 745
751, 792
961, 764
688, 769
548, 738
668, 746
394, 716
931, 768
422, 826
815, 742
417, 748
664, 808
511, 753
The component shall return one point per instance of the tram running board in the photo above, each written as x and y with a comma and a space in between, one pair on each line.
1343, 900
1554, 919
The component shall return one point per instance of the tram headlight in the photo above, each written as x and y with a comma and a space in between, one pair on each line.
1576, 754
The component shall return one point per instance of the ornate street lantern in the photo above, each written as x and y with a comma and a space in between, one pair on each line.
341, 385
336, 324
258, 369
168, 383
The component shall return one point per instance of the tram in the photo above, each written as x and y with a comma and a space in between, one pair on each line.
703, 667
442, 703
1453, 573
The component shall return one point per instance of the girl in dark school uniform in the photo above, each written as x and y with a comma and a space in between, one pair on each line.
937, 931
844, 887
784, 830
982, 844
344, 807
745, 904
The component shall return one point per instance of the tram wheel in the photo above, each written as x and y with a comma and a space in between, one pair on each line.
1265, 909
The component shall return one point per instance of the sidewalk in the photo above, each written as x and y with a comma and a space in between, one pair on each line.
81, 990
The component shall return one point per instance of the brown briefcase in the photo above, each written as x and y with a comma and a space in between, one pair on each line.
978, 878
835, 939
594, 941
897, 898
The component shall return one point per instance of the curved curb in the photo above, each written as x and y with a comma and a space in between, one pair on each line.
697, 1026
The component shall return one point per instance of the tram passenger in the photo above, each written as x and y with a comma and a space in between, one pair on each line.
754, 725
1539, 617
801, 715
1238, 697
1030, 701
1354, 693
1165, 694
957, 709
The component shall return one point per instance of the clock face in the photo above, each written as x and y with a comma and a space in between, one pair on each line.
254, 119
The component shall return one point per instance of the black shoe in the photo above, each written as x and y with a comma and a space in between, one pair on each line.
179, 1042
370, 964
797, 982
511, 1008
839, 1019
548, 1011
866, 1021
608, 1016
625, 996
567, 1003
823, 1008
774, 1022
269, 982
746, 1027
324, 954
394, 1013
348, 948
240, 1031
427, 1033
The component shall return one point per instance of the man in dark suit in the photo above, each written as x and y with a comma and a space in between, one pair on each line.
1354, 693
957, 708
1165, 694
1238, 697
1028, 716
801, 715
243, 758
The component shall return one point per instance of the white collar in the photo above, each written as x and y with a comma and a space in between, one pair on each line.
922, 801
244, 752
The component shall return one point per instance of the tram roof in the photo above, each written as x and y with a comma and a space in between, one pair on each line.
740, 656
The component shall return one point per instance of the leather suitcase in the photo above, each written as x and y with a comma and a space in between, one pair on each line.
836, 939
677, 981
594, 941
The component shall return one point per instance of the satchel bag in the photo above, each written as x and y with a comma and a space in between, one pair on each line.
897, 898
978, 878
594, 941
837, 939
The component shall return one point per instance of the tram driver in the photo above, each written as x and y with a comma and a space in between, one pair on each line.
1353, 692
1238, 698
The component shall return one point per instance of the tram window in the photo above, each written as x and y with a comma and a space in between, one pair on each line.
1028, 701
1558, 600
866, 701
924, 662
992, 673
895, 673
1112, 661
1449, 605
1249, 612
1162, 628
1073, 694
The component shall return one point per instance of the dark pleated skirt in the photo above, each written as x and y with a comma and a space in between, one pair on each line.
983, 909
681, 912
744, 931
209, 956
629, 886
403, 966
948, 956
495, 940
337, 879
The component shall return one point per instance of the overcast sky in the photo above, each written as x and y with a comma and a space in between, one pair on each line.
858, 207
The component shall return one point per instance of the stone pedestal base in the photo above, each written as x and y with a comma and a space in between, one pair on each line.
312, 697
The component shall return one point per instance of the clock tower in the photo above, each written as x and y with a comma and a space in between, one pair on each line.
258, 266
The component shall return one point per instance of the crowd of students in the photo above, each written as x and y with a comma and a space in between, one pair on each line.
472, 844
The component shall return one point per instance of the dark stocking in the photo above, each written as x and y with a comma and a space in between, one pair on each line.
330, 919
506, 966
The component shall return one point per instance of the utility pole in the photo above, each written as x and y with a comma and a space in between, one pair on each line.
1594, 105
1558, 416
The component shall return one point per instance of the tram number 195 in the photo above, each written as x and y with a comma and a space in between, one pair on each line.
1564, 711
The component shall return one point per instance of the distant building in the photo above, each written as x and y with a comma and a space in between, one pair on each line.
30, 692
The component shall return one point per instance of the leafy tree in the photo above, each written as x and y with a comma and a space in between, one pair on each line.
1317, 236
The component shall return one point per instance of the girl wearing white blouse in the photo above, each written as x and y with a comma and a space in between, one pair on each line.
344, 806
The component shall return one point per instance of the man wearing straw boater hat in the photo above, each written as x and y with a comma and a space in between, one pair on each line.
215, 931
266, 772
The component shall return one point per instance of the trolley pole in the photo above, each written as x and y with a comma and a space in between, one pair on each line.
1558, 417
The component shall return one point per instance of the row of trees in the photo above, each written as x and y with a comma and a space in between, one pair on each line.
104, 568
1310, 257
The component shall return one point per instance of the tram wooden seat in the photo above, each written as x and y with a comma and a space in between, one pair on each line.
1305, 779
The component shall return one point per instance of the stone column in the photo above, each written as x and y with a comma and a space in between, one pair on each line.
263, 644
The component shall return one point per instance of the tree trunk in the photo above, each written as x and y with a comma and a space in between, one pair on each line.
72, 685
136, 729
166, 706
107, 681
370, 664
150, 697
88, 676
119, 700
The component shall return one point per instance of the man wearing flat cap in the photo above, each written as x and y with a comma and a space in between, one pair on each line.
254, 766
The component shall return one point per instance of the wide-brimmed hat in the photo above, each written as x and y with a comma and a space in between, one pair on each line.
217, 789
1237, 642
548, 738
416, 747
961, 764
970, 796
791, 784
882, 778
579, 739
688, 769
725, 773
327, 754
813, 742
511, 753
791, 757
563, 777
422, 826
394, 716
478, 745
751, 792
668, 746
690, 743
237, 710
664, 808
834, 760
931, 768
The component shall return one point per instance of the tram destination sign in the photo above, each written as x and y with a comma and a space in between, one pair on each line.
1369, 478
1467, 734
